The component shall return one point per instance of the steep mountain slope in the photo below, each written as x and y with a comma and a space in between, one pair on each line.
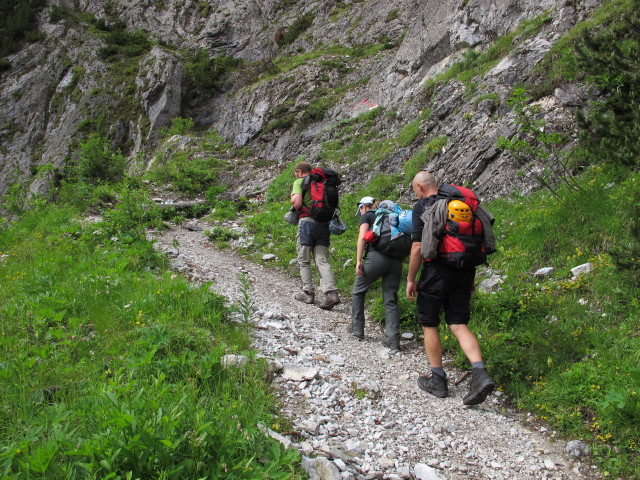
281, 77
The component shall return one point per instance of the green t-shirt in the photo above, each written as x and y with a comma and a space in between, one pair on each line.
297, 188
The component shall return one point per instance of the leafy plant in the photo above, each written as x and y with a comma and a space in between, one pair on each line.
392, 15
611, 127
179, 126
186, 172
221, 233
18, 24
297, 28
122, 43
96, 162
112, 366
209, 74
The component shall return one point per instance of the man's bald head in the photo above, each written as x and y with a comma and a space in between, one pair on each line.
424, 184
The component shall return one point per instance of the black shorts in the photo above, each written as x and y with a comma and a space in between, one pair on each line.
444, 287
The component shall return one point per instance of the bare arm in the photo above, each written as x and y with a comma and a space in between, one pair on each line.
360, 247
415, 260
296, 200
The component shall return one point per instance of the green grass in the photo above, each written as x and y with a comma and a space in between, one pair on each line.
560, 63
287, 63
565, 349
419, 160
110, 366
358, 140
195, 168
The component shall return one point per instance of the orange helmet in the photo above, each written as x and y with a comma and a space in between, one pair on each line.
459, 212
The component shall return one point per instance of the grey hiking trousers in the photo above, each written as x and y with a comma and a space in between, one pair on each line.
378, 265
313, 238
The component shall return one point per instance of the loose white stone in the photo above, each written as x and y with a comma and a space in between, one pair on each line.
425, 472
297, 373
582, 269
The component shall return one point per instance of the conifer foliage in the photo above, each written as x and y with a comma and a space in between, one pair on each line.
611, 59
18, 22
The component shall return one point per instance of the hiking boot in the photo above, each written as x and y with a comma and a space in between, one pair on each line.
359, 334
330, 300
392, 345
306, 297
435, 385
481, 386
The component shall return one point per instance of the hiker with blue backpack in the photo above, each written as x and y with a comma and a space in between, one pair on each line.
378, 255
314, 196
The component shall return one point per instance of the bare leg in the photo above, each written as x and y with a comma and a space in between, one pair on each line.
432, 346
468, 342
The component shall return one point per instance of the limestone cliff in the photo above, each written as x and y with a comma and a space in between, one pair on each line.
307, 67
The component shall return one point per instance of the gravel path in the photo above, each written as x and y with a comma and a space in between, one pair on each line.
355, 408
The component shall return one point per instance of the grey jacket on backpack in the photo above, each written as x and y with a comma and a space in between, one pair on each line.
435, 221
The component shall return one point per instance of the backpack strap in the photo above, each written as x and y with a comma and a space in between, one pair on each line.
487, 220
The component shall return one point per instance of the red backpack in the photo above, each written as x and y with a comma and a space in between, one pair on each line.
462, 244
322, 185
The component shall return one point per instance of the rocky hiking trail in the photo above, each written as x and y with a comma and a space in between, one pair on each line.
355, 408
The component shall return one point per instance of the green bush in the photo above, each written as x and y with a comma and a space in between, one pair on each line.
316, 109
122, 43
209, 74
179, 126
297, 28
96, 162
611, 127
187, 173
18, 23
221, 233
59, 13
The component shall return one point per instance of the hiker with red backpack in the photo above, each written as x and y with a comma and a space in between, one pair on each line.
315, 197
372, 263
451, 236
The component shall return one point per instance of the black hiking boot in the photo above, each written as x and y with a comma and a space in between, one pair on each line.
356, 332
390, 344
435, 385
306, 297
330, 300
481, 386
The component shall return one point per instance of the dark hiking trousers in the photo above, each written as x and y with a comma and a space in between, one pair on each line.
378, 265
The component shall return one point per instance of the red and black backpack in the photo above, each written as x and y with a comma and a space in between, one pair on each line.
462, 244
322, 185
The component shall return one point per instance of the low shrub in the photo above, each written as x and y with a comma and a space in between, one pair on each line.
297, 28
96, 161
209, 74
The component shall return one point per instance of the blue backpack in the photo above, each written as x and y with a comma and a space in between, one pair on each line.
405, 220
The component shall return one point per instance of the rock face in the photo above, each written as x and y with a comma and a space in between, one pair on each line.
282, 104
